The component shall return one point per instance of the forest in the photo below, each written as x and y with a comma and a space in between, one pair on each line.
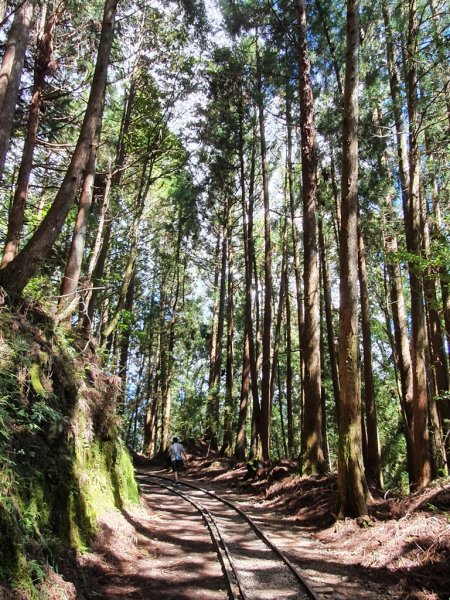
236, 213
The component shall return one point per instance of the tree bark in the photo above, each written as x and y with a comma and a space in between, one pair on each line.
15, 276
352, 486
398, 304
241, 435
227, 447
328, 306
124, 343
402, 345
11, 73
422, 462
312, 457
295, 252
69, 284
267, 312
153, 401
289, 374
212, 411
43, 58
253, 336
167, 354
277, 332
373, 464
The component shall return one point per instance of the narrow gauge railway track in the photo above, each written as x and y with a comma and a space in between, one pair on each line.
254, 568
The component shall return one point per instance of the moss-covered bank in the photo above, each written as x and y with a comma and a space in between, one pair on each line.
62, 462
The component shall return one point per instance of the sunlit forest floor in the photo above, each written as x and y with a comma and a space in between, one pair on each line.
403, 552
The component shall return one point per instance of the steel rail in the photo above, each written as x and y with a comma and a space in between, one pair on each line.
262, 536
230, 572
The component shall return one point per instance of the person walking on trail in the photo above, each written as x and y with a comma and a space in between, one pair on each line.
177, 457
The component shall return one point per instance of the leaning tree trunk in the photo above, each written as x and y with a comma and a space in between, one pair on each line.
68, 297
15, 276
11, 73
352, 486
43, 60
312, 457
331, 47
104, 230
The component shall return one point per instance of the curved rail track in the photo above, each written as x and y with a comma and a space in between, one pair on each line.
254, 568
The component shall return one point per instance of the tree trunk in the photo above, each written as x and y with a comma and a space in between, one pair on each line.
352, 486
373, 464
241, 435
277, 332
312, 458
212, 409
402, 346
151, 413
227, 447
18, 272
11, 73
124, 344
329, 320
422, 463
289, 374
213, 341
295, 253
101, 246
267, 313
253, 337
129, 270
399, 314
438, 371
69, 284
43, 57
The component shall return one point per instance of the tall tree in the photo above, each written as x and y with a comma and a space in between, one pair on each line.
15, 276
312, 453
267, 312
353, 492
42, 65
422, 461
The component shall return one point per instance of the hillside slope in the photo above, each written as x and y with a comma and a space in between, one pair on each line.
62, 462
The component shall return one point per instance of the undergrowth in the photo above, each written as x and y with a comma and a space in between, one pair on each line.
62, 462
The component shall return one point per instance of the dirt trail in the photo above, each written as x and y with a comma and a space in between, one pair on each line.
163, 551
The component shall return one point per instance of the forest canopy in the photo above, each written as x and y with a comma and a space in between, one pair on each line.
244, 207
